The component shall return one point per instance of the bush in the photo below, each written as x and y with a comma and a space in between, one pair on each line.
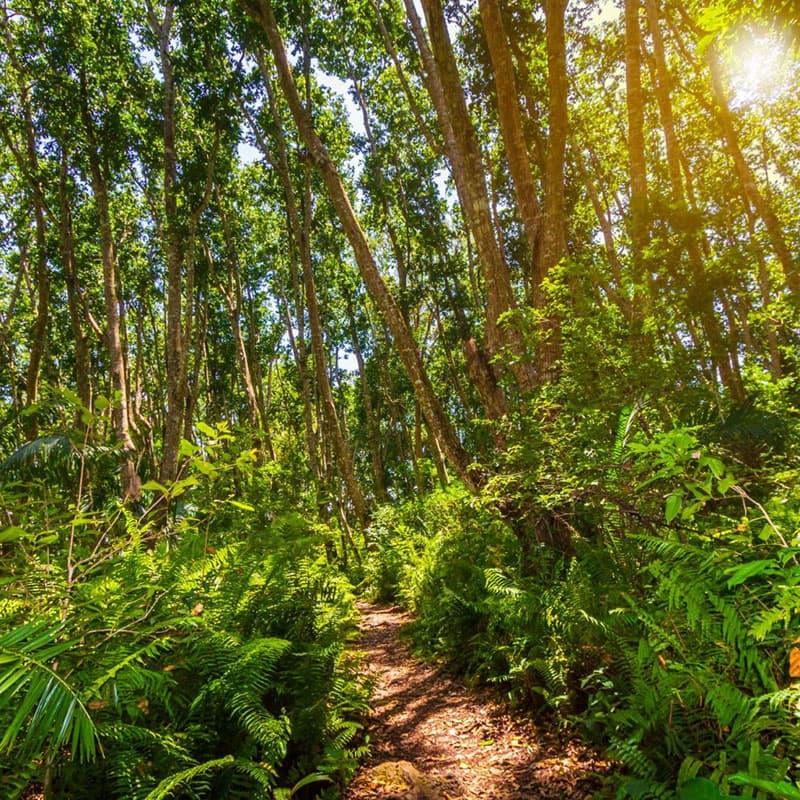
663, 633
204, 659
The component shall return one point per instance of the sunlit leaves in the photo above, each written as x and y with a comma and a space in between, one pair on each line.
48, 712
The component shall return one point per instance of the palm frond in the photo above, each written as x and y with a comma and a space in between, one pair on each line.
52, 713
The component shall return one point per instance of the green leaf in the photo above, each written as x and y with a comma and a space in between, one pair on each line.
179, 487
674, 504
51, 712
187, 449
725, 483
186, 776
205, 429
11, 534
740, 574
204, 467
714, 464
155, 486
701, 789
243, 506
779, 789
314, 777
766, 533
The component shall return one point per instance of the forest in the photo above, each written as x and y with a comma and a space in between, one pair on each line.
486, 309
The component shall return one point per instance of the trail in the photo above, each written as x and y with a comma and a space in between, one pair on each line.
432, 738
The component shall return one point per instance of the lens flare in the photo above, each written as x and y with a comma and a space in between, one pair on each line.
759, 66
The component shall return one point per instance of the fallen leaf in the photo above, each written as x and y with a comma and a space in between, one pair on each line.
794, 661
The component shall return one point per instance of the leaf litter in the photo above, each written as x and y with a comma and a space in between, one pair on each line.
434, 738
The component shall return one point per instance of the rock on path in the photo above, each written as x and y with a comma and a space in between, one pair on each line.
432, 738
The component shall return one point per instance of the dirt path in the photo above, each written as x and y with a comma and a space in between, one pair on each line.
452, 742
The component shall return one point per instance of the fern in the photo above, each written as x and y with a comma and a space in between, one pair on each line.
53, 449
197, 775
632, 756
497, 582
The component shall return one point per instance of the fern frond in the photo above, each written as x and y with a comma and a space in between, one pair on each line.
53, 449
186, 777
498, 583
632, 756
271, 733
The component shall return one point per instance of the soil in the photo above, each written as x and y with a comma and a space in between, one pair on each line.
433, 738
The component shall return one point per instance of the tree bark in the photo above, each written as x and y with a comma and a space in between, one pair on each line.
749, 185
232, 292
552, 245
28, 164
67, 247
300, 231
486, 375
129, 479
702, 295
468, 172
525, 189
341, 448
412, 102
603, 216
262, 12
637, 164
174, 345
373, 424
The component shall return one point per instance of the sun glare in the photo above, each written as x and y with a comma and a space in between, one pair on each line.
759, 66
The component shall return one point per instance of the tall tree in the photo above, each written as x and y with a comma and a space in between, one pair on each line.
441, 425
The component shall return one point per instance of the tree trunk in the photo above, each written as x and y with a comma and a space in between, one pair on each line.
702, 296
67, 247
344, 457
400, 258
40, 325
525, 189
300, 233
747, 180
261, 10
373, 424
306, 393
129, 479
174, 345
637, 164
468, 172
603, 215
488, 375
28, 164
552, 245
412, 102
232, 292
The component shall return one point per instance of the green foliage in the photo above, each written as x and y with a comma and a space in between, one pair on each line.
205, 659
51, 713
625, 378
663, 634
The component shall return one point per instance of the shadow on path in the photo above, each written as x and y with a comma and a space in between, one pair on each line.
464, 744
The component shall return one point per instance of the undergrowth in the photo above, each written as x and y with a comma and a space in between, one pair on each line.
662, 631
198, 657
